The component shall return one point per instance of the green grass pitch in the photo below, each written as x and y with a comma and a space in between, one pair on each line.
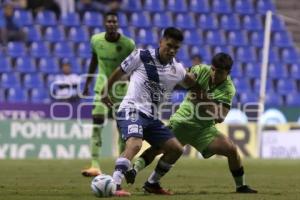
190, 179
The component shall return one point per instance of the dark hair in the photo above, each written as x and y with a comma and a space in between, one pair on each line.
174, 33
197, 56
110, 13
222, 61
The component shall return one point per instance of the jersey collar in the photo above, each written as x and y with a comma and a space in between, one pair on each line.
158, 57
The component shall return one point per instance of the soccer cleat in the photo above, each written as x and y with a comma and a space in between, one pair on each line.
155, 188
122, 193
245, 189
90, 172
130, 176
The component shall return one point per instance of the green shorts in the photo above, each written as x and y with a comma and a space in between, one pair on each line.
198, 138
100, 108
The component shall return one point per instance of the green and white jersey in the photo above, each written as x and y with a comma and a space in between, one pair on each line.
195, 116
109, 55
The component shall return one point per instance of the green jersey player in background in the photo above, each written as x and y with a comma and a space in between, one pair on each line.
194, 122
109, 49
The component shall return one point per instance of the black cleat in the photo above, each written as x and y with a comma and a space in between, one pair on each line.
130, 176
245, 189
155, 188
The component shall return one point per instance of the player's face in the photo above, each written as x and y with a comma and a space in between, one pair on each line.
168, 48
111, 24
218, 75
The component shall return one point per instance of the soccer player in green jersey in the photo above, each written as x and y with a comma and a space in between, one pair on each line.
194, 122
109, 49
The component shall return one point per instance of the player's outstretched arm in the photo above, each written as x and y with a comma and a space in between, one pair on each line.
115, 76
92, 68
189, 81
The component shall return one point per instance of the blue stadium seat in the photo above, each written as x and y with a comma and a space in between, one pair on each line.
252, 22
132, 5
262, 6
177, 6
63, 50
230, 22
96, 30
273, 99
221, 6
84, 50
295, 71
23, 17
289, 55
241, 85
39, 96
33, 33
204, 51
10, 80
17, 95
246, 98
78, 34
129, 32
199, 6
32, 81
6, 66
208, 21
46, 18
183, 53
237, 38
49, 65
146, 36
2, 95
253, 70
223, 48
154, 6
39, 49
292, 99
140, 20
286, 86
185, 21
243, 6
282, 39
257, 38
192, 37
236, 71
162, 20
25, 65
75, 66
245, 54
123, 21
16, 49
178, 96
273, 54
92, 19
269, 86
277, 71
54, 34
277, 23
70, 19
214, 38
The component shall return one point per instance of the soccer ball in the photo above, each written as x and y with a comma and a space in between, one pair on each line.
103, 185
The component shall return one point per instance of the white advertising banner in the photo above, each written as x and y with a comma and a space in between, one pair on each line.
281, 145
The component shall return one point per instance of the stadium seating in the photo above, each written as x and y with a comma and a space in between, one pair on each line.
232, 26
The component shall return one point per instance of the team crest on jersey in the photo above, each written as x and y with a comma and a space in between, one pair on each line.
173, 69
119, 48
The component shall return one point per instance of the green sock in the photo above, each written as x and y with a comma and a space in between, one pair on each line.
96, 143
139, 164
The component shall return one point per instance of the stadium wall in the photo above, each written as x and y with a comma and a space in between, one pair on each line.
69, 139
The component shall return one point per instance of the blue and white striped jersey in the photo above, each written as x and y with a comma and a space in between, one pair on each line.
151, 83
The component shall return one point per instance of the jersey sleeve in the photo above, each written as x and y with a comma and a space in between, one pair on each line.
182, 71
132, 62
